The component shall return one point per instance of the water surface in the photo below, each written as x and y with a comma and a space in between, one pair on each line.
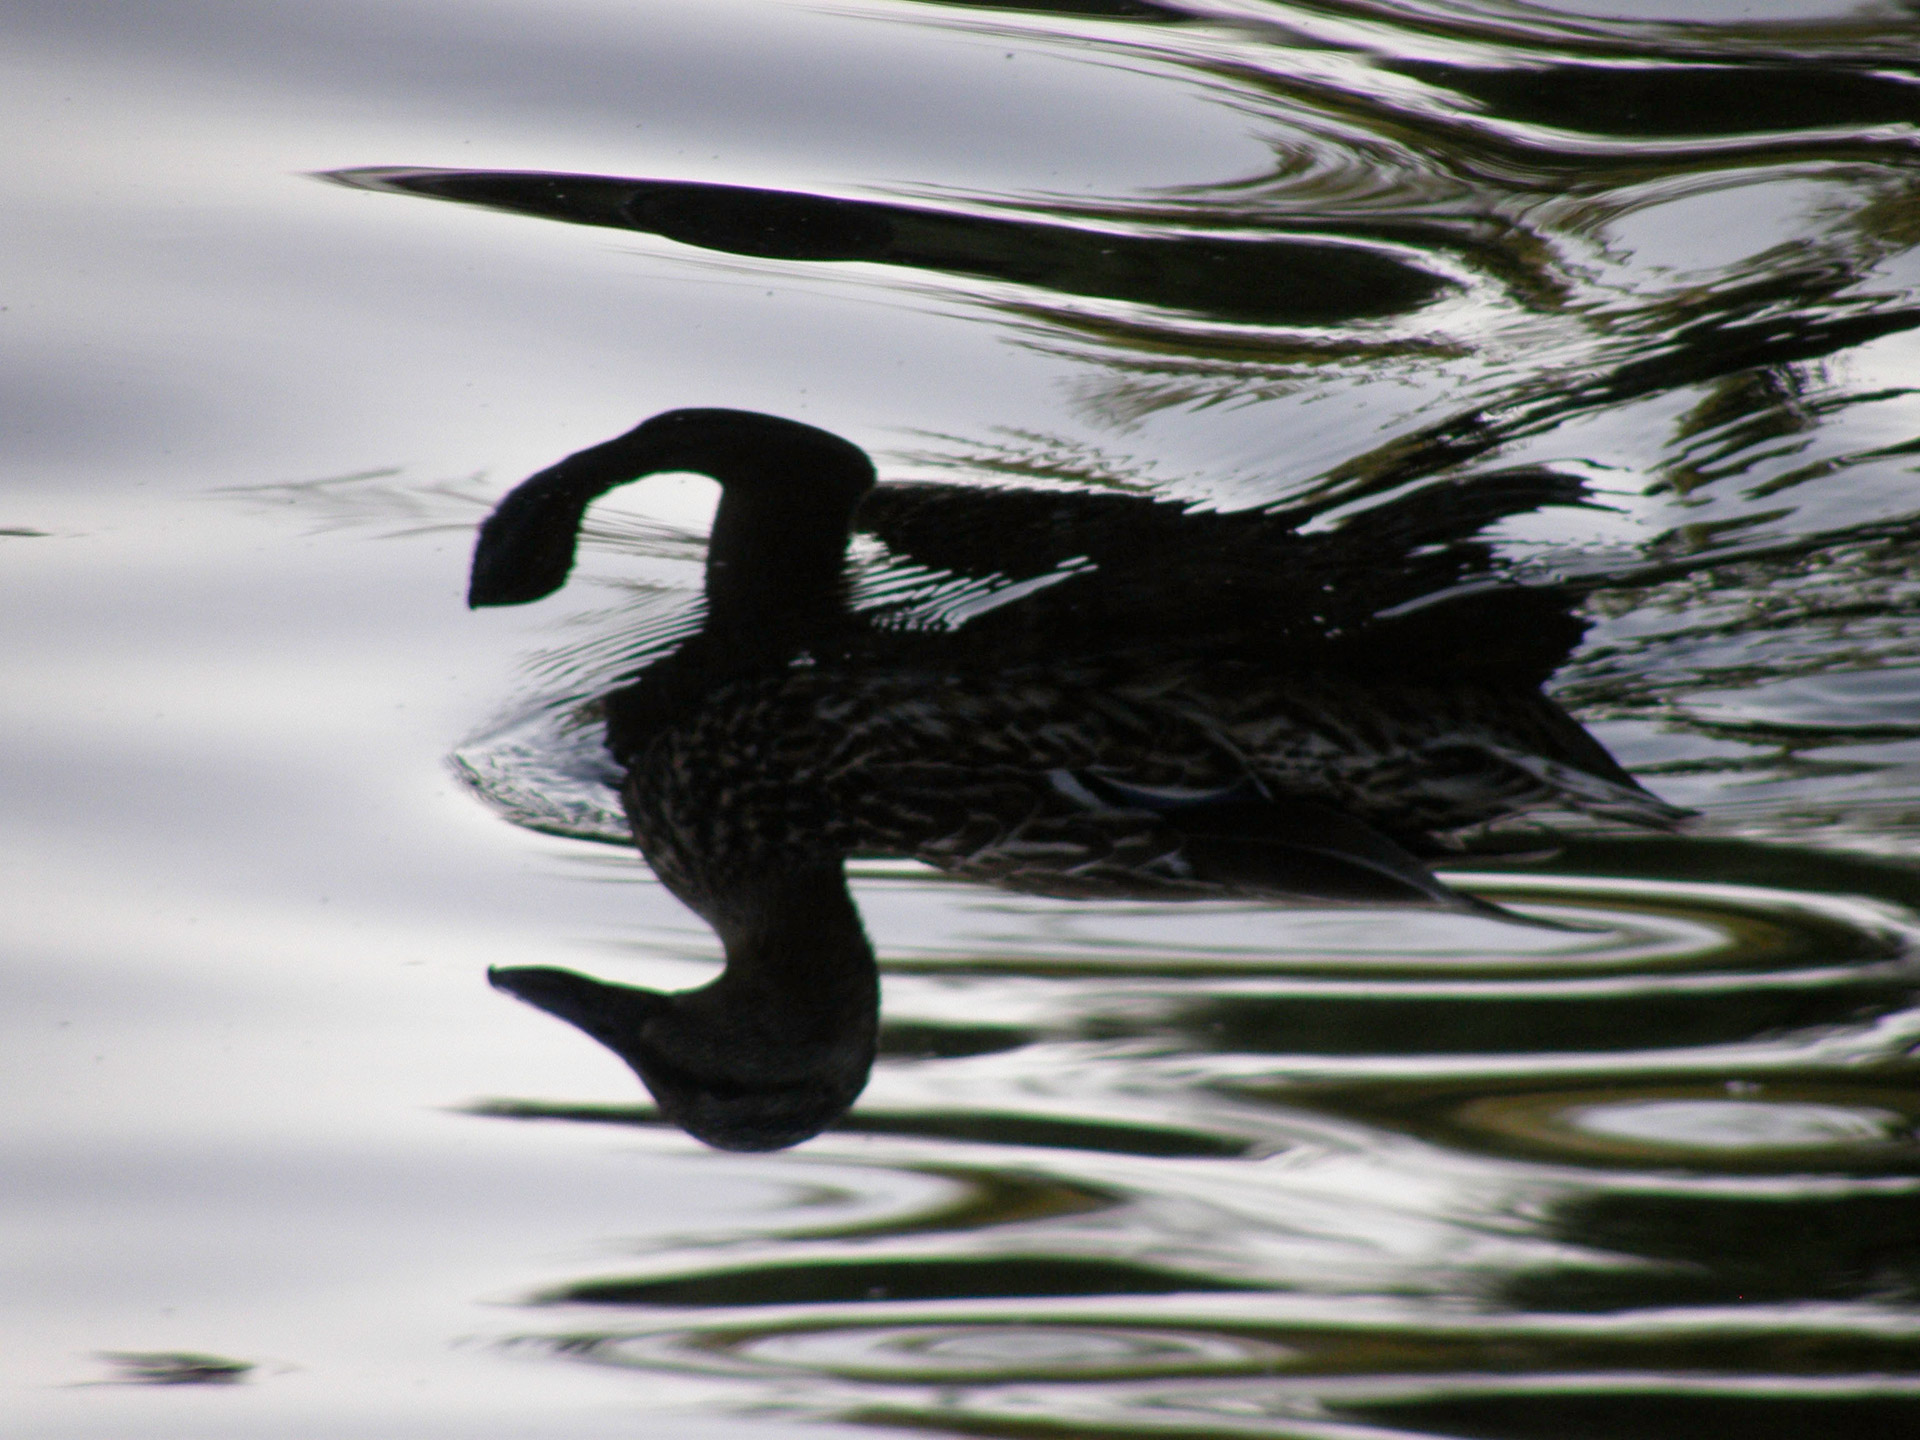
278, 1161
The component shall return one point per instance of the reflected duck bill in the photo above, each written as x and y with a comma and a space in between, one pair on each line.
780, 481
724, 1063
611, 1014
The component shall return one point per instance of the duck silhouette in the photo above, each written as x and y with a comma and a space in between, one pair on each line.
1141, 700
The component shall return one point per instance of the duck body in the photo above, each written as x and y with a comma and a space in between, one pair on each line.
1092, 778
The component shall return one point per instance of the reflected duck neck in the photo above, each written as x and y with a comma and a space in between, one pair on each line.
797, 935
777, 556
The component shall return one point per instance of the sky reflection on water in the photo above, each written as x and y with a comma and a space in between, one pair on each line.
1122, 1169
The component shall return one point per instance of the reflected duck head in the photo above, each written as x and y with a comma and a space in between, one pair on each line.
732, 1065
774, 1050
788, 493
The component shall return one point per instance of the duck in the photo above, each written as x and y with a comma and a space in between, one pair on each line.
1153, 702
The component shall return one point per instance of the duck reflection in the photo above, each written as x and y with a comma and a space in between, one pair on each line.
1134, 700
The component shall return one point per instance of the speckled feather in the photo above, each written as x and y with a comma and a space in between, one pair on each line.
1063, 780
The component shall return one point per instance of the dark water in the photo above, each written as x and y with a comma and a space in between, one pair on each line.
277, 1161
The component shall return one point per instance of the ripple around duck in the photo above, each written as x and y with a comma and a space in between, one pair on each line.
1729, 1127
1096, 1376
1590, 925
993, 1351
1647, 1116
1825, 1121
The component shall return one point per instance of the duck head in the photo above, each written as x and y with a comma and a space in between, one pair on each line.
769, 1054
788, 493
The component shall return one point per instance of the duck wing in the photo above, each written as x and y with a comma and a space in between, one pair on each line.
1082, 836
1404, 588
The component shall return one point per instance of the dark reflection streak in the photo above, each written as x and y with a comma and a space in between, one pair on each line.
835, 1281
1494, 151
1639, 102
985, 1127
1269, 279
1718, 1249
1486, 1022
1866, 40
175, 1367
1095, 9
973, 1127
1658, 1411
